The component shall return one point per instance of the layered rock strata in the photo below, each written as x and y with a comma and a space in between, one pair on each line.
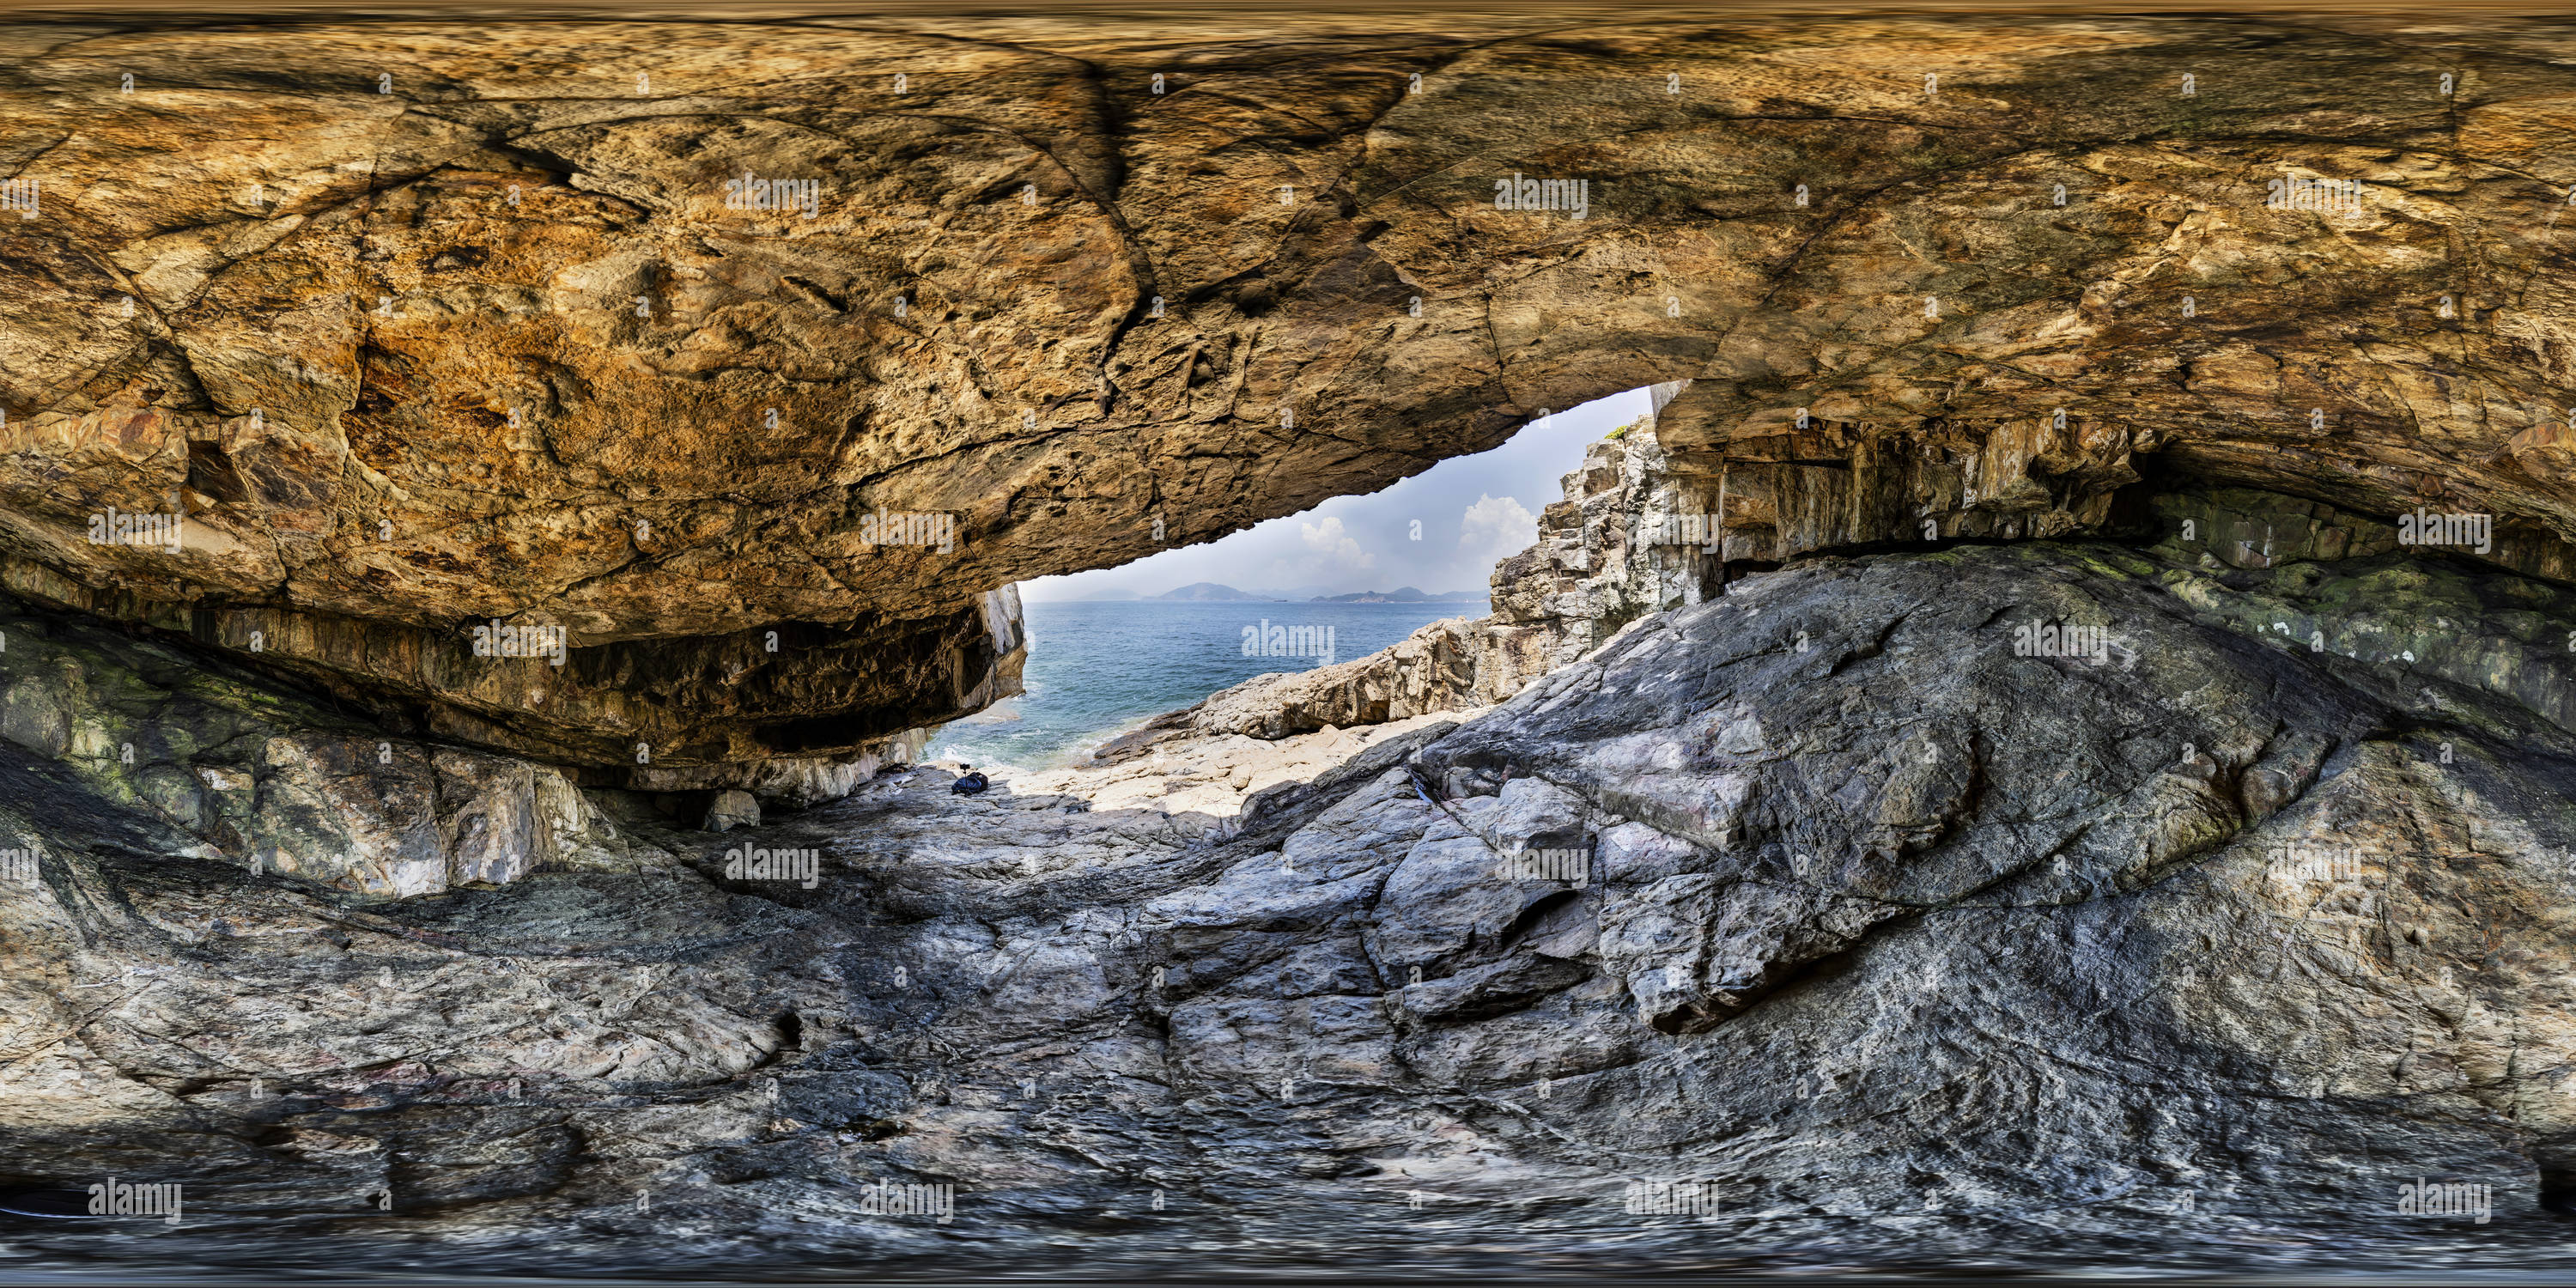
226, 767
672, 335
1904, 879
1886, 920
1622, 543
1626, 542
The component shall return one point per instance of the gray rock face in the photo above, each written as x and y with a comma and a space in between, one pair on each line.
1822, 899
1445, 666
276, 781
732, 809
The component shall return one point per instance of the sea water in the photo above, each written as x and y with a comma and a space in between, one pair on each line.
1097, 669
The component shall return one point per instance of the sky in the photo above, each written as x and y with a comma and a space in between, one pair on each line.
1475, 511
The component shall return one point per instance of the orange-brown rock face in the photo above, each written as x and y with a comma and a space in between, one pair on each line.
755, 358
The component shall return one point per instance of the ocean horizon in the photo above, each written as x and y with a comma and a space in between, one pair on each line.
1099, 667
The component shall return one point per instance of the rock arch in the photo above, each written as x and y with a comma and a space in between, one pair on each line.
437, 323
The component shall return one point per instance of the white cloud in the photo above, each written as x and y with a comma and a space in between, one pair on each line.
1331, 554
1317, 553
1329, 540
1496, 528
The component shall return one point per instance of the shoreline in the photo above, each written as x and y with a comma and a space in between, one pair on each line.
1038, 737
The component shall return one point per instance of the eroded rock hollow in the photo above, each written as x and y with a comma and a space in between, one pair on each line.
1996, 767
756, 359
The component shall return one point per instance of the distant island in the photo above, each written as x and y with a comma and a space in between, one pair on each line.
1402, 595
1208, 592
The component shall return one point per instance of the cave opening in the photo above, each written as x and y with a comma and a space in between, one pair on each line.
1111, 649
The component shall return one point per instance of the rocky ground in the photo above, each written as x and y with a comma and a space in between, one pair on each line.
2194, 948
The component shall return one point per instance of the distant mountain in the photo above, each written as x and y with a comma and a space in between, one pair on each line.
1208, 591
1403, 595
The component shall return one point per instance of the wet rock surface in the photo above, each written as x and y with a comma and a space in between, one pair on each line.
2191, 946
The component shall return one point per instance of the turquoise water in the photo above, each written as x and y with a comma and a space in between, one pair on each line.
1096, 669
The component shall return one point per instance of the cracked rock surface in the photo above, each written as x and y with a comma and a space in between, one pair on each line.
1977, 778
425, 324
2191, 945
